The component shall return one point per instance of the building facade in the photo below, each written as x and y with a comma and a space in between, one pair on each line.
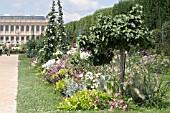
20, 29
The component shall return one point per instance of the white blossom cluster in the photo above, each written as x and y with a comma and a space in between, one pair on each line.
72, 51
16, 48
58, 53
49, 64
84, 55
91, 80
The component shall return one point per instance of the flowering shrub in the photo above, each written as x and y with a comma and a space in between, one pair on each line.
91, 80
72, 52
49, 64
143, 82
56, 70
55, 74
58, 54
71, 87
84, 55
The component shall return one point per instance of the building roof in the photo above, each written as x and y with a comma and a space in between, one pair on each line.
22, 17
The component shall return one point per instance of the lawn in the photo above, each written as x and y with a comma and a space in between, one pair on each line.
35, 96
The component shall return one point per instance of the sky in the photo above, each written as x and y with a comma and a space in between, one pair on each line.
72, 9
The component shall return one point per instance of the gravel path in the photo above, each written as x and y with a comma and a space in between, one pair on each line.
8, 83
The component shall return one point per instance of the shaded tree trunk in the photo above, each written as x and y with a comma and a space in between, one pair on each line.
122, 69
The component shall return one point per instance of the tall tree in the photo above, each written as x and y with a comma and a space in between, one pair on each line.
50, 39
61, 34
119, 33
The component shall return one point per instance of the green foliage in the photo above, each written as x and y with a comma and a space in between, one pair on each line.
61, 84
156, 12
144, 79
72, 87
166, 37
31, 48
86, 22
85, 100
120, 33
49, 42
61, 35
62, 72
40, 42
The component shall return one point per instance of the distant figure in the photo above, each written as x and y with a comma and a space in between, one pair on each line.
1, 50
8, 46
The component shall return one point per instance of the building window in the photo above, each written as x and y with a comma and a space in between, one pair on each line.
22, 28
6, 28
7, 38
32, 28
17, 27
27, 38
2, 38
37, 28
1, 28
12, 27
27, 28
17, 38
12, 38
22, 38
42, 28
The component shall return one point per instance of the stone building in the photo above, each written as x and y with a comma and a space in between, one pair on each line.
20, 29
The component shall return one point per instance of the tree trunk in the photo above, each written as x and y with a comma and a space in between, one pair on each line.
122, 69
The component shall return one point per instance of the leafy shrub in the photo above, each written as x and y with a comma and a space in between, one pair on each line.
31, 48
71, 87
144, 79
52, 76
92, 100
57, 70
61, 84
84, 100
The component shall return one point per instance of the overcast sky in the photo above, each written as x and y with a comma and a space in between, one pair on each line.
72, 9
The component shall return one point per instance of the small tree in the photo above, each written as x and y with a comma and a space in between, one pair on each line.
62, 38
50, 40
119, 33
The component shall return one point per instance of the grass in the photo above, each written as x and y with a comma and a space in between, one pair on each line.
35, 96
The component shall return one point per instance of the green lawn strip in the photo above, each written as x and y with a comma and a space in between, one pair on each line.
35, 96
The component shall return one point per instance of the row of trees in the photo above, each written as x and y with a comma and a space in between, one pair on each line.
156, 14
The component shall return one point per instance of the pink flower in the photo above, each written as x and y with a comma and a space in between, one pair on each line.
114, 99
117, 94
124, 106
120, 101
91, 93
111, 103
97, 99
116, 104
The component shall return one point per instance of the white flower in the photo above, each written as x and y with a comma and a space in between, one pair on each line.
81, 75
72, 51
92, 87
84, 55
58, 62
51, 45
98, 74
49, 64
91, 77
89, 73
58, 53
